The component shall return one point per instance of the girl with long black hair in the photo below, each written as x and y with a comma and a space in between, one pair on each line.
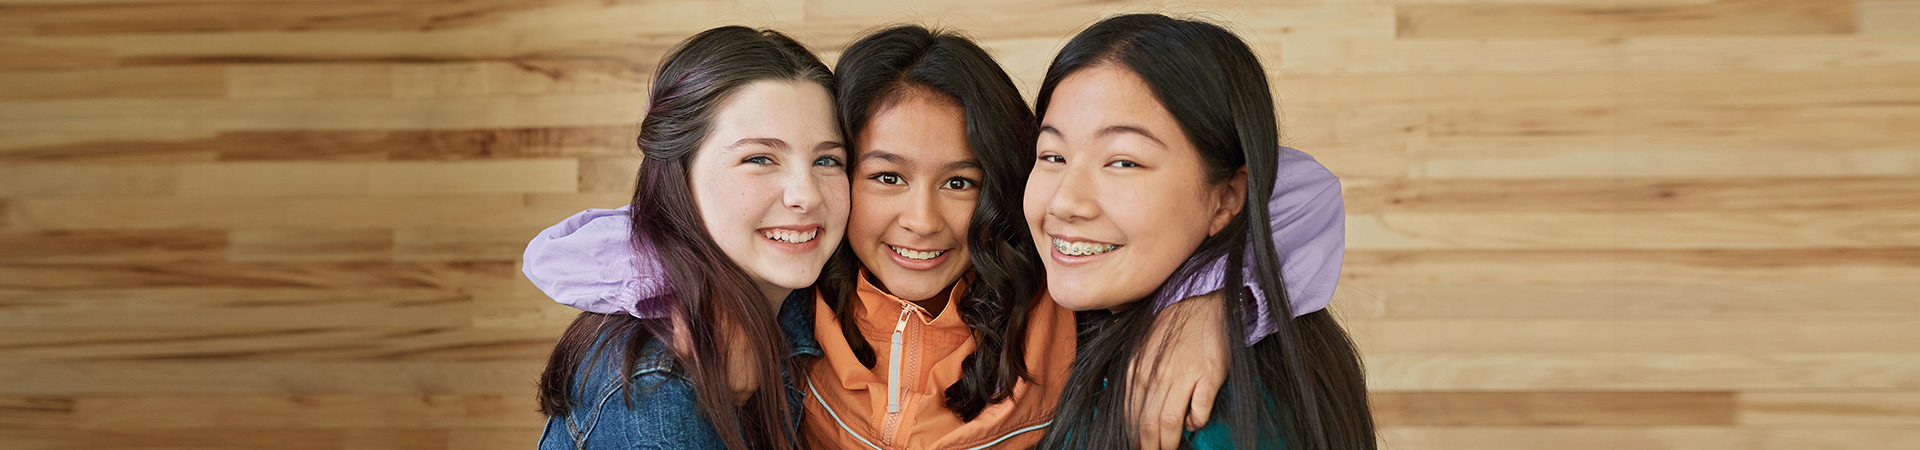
1158, 146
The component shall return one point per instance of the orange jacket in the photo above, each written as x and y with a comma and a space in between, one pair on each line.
849, 406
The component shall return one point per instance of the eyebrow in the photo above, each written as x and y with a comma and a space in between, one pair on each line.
1111, 130
1129, 129
960, 165
782, 145
761, 141
895, 158
883, 155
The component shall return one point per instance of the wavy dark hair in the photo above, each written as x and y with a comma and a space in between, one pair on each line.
885, 67
711, 292
1304, 385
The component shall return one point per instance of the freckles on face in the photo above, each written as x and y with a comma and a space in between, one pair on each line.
1117, 201
916, 184
770, 182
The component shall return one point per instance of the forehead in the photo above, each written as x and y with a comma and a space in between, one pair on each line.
800, 112
1101, 95
920, 127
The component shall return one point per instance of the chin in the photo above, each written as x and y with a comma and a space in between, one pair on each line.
798, 281
1077, 301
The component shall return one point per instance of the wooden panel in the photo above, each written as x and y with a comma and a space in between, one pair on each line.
1553, 409
1646, 371
1787, 335
1550, 266
1889, 17
1616, 230
453, 275
65, 180
461, 244
307, 412
265, 377
146, 439
1740, 17
1574, 224
234, 342
134, 82
190, 307
1624, 300
1714, 194
1901, 409
112, 246
1663, 438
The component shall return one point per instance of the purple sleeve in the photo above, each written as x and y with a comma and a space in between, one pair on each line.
585, 262
1308, 221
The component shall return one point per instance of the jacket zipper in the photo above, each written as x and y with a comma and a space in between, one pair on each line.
896, 364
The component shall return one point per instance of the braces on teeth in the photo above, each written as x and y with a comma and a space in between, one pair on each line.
1081, 248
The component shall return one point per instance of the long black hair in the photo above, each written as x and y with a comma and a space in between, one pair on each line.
884, 68
714, 296
1303, 386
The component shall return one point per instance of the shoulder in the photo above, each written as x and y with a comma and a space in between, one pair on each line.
663, 410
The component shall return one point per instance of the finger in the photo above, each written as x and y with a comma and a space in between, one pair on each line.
1201, 408
1173, 414
1143, 415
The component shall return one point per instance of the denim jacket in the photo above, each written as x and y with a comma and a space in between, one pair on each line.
664, 413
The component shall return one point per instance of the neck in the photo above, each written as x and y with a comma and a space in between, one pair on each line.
775, 294
934, 305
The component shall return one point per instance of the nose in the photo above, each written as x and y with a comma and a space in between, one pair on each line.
922, 217
803, 193
1073, 198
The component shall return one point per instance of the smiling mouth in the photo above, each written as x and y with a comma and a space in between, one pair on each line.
916, 254
790, 236
1087, 248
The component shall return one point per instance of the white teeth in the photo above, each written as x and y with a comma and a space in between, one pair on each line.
916, 254
1081, 248
790, 236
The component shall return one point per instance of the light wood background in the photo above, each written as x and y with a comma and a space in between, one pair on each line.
1574, 224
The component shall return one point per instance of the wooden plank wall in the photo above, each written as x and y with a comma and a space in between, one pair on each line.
1574, 224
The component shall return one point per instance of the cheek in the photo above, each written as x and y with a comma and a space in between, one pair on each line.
1033, 203
868, 220
1168, 219
959, 217
732, 202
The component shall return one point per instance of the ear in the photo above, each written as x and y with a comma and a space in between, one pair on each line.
1228, 199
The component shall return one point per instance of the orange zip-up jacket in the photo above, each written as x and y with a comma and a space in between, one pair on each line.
900, 403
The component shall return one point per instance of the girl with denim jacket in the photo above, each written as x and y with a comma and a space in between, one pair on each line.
744, 195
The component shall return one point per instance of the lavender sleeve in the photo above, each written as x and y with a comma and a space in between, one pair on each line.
1307, 217
585, 262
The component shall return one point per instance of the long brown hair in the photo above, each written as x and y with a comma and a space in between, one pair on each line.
714, 297
1302, 387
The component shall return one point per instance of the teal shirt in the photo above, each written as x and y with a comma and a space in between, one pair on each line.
1217, 435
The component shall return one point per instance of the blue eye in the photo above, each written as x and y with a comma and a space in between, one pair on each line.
758, 159
827, 161
961, 184
889, 178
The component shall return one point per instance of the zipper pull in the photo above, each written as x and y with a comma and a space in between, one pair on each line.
893, 361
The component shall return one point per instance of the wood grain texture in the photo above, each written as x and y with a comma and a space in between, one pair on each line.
1573, 224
